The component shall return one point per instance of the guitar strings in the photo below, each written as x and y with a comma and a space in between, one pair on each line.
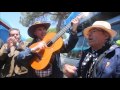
57, 36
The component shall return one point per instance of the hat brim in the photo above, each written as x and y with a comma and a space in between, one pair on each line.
33, 27
110, 31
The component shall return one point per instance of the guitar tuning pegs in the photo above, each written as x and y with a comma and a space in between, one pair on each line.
86, 13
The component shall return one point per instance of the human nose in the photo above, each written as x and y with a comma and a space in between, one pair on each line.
44, 31
13, 35
90, 33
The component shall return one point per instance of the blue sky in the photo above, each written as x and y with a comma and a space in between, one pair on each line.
12, 18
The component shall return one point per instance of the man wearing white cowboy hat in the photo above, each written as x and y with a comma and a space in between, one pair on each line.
37, 31
102, 59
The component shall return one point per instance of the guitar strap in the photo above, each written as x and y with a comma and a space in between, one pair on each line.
100, 58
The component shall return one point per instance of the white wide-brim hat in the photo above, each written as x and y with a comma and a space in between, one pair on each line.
100, 24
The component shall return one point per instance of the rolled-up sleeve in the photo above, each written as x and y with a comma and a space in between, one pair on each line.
3, 52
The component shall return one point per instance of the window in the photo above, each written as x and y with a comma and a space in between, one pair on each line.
116, 26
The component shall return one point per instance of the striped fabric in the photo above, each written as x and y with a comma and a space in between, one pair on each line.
44, 73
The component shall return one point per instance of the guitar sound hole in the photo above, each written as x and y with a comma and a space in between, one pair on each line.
38, 56
49, 44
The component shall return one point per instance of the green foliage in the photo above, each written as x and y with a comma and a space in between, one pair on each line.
118, 42
29, 40
64, 36
28, 18
52, 30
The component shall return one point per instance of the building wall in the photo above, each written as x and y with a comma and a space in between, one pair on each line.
4, 33
115, 23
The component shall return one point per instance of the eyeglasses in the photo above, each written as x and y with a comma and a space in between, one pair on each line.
96, 30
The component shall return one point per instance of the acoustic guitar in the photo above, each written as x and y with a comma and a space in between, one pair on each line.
54, 43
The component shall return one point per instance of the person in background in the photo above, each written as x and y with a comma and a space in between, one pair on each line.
8, 53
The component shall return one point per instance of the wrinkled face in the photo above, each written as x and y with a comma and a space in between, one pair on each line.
15, 34
40, 32
97, 37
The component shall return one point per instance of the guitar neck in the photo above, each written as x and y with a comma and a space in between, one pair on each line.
61, 32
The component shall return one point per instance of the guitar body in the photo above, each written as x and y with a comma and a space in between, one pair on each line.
46, 54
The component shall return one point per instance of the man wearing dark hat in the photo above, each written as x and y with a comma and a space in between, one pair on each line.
102, 59
37, 31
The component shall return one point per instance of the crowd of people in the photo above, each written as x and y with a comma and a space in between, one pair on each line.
101, 60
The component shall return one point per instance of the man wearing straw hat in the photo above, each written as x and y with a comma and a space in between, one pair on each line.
102, 59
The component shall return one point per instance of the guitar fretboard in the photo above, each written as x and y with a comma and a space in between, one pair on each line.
59, 34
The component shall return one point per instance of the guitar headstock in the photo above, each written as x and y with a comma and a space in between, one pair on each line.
82, 15
77, 18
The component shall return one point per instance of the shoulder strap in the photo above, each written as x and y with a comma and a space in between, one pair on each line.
112, 48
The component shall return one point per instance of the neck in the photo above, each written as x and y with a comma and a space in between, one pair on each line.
97, 47
100, 46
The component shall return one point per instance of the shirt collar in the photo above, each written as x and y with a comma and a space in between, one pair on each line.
100, 51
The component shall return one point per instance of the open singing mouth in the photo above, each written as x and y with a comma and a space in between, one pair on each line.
90, 39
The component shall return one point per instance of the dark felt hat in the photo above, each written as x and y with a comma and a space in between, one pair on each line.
37, 24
